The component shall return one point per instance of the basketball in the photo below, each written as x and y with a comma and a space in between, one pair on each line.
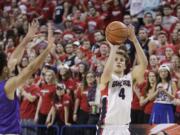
116, 32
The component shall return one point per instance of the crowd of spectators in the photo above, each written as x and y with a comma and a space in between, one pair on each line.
65, 90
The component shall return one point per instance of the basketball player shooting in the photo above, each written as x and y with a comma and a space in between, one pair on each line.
9, 103
116, 86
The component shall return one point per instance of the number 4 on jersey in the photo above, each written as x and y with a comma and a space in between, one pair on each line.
122, 93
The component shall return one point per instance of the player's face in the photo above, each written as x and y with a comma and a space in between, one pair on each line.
120, 63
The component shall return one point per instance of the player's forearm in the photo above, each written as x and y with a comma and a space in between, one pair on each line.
33, 66
20, 48
18, 53
140, 53
108, 69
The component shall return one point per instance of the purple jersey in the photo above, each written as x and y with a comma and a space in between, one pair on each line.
9, 113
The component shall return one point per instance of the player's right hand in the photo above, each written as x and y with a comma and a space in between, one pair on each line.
112, 46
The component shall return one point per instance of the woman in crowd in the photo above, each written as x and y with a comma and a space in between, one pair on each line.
46, 97
162, 111
29, 98
147, 98
62, 107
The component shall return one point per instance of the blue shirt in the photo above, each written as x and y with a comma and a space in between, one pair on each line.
9, 113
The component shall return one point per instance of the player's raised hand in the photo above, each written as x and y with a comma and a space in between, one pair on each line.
32, 29
111, 45
131, 30
51, 39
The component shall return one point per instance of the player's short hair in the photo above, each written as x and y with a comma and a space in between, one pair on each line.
3, 61
122, 51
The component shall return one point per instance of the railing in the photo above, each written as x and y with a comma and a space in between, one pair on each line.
36, 127
64, 130
79, 129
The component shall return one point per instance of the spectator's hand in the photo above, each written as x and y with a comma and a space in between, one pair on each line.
176, 101
36, 118
132, 35
32, 29
49, 124
68, 124
74, 117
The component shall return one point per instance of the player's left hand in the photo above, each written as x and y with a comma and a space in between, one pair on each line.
132, 35
32, 29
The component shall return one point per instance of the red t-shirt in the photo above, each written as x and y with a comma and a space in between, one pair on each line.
135, 103
148, 107
27, 108
65, 101
82, 96
70, 84
47, 92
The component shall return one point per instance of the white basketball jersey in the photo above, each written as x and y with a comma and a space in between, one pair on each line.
119, 100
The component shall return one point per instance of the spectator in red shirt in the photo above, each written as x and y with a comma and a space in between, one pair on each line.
59, 53
147, 99
153, 63
62, 107
136, 109
148, 22
104, 53
169, 51
117, 11
163, 41
65, 76
46, 97
29, 96
81, 107
168, 19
